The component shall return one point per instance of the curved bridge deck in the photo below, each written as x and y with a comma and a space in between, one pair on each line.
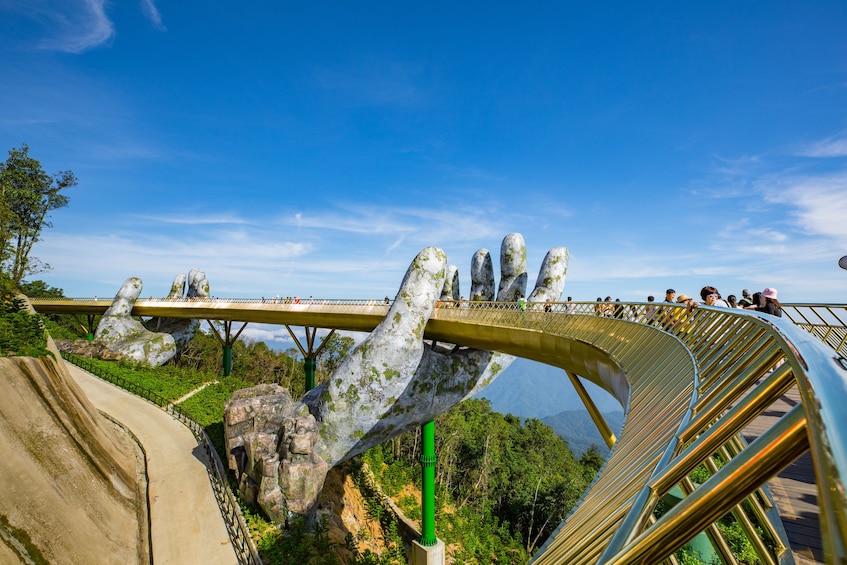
691, 384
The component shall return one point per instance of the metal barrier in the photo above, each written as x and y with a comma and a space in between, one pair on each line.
690, 381
826, 322
245, 548
695, 378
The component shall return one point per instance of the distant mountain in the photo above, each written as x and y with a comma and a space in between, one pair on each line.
578, 429
534, 390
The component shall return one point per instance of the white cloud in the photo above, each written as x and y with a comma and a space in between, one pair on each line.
76, 26
268, 334
817, 204
832, 146
152, 14
195, 219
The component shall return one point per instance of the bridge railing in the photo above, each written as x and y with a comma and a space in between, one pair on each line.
697, 377
827, 322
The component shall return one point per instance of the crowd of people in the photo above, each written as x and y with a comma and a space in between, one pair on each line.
765, 301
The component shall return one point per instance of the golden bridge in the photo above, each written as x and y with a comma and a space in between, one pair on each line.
744, 395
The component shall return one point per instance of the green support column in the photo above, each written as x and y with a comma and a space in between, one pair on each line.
310, 352
227, 360
428, 492
309, 366
226, 342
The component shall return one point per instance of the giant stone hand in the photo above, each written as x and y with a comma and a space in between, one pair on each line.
156, 341
391, 383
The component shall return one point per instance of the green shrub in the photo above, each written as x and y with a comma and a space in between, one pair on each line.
21, 334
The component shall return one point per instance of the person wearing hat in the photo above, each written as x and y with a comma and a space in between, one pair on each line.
771, 305
682, 317
745, 301
687, 300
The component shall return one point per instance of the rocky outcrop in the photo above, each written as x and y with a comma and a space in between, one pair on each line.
68, 488
270, 440
95, 349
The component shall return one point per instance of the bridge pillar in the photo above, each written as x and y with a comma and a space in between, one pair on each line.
227, 360
309, 364
310, 353
226, 343
428, 491
430, 555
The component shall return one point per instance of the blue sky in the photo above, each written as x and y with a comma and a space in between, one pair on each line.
301, 148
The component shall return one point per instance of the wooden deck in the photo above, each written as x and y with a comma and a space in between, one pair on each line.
794, 490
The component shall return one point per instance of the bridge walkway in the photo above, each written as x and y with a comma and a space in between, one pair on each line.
793, 490
186, 525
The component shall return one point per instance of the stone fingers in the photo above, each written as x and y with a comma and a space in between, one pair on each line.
451, 284
551, 276
177, 287
125, 335
482, 277
513, 275
198, 286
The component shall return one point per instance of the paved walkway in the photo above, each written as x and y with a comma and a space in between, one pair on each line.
186, 524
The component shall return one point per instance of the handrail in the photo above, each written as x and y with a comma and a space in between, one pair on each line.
690, 381
245, 549
827, 322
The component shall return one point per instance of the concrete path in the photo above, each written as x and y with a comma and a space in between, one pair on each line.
186, 523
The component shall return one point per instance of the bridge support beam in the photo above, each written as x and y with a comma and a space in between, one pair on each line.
310, 353
599, 420
226, 343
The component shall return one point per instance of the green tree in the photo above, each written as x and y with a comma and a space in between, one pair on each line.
592, 461
335, 351
28, 195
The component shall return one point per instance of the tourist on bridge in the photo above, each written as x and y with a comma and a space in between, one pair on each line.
746, 301
712, 297
681, 317
771, 304
667, 318
650, 311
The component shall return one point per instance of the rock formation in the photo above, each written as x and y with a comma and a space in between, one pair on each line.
95, 349
391, 383
270, 442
